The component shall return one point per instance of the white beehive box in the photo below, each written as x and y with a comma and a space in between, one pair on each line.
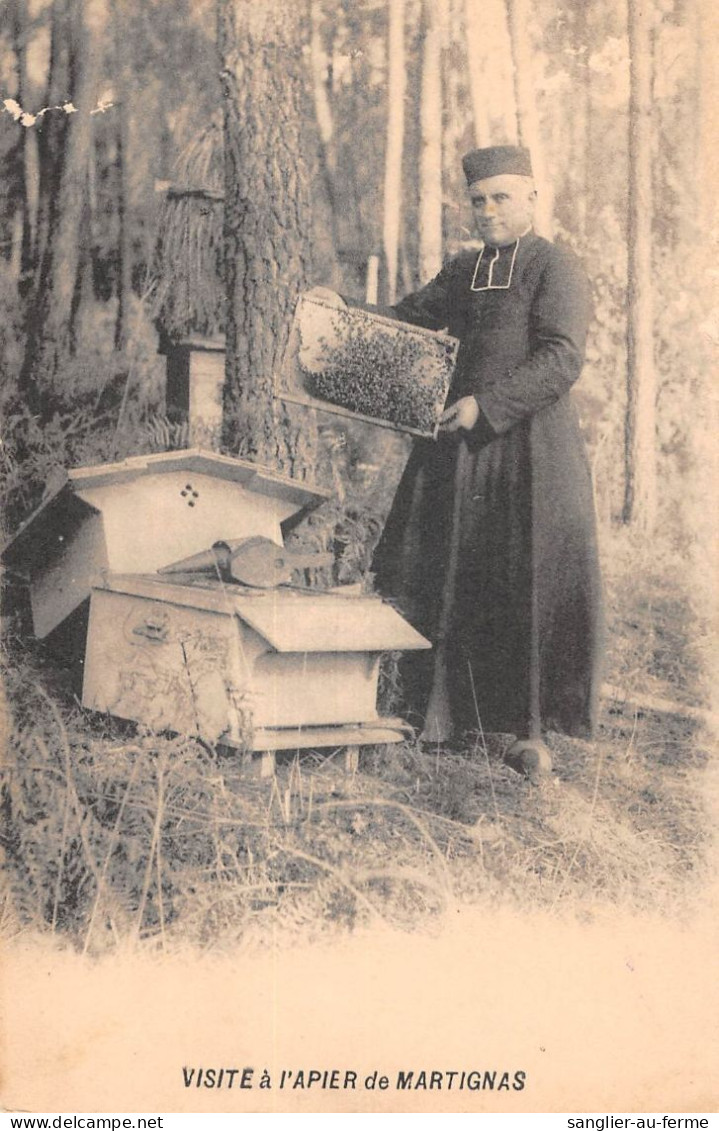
142, 514
221, 661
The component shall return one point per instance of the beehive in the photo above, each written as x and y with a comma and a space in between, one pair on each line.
141, 514
269, 668
195, 379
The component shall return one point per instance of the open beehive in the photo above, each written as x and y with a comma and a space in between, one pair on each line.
266, 669
355, 362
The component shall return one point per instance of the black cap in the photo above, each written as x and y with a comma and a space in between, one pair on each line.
479, 164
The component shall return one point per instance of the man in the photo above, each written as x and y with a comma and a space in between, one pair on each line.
490, 545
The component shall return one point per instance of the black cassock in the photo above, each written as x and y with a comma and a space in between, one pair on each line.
490, 546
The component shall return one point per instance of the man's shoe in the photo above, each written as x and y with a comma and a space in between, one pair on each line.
530, 758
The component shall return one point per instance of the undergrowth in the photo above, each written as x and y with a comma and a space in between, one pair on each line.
114, 835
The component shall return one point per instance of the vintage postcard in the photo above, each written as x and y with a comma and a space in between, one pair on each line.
359, 557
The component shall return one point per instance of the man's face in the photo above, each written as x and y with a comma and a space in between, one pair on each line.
503, 207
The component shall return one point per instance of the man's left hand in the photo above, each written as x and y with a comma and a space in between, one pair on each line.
464, 413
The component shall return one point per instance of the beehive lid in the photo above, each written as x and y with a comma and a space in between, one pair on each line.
289, 620
328, 622
253, 476
62, 505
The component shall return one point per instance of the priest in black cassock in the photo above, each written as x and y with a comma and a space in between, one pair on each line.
490, 546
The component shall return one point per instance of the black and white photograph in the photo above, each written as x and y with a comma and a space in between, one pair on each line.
359, 554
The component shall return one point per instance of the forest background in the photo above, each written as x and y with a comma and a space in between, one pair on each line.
189, 167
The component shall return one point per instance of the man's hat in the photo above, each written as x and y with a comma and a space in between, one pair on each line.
493, 162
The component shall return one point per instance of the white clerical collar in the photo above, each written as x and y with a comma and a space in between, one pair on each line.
490, 285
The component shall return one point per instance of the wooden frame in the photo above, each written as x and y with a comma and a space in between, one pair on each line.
289, 386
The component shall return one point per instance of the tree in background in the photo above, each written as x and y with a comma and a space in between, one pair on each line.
22, 160
430, 163
640, 485
393, 189
573, 66
529, 131
157, 82
324, 118
474, 30
122, 72
77, 30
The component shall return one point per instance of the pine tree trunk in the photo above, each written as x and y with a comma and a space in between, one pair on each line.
640, 494
83, 293
31, 163
267, 220
579, 123
480, 102
124, 241
528, 128
26, 155
430, 166
50, 326
396, 87
52, 129
325, 129
456, 118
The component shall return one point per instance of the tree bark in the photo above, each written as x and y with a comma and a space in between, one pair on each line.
528, 128
396, 87
267, 217
640, 494
430, 166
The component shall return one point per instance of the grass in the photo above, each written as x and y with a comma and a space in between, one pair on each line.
660, 636
117, 836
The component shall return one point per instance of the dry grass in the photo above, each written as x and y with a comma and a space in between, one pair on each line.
661, 618
115, 836
120, 838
